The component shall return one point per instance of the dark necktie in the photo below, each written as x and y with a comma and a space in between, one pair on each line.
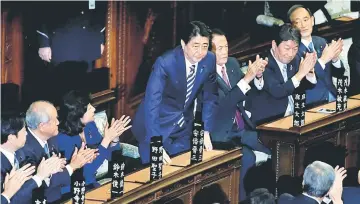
46, 149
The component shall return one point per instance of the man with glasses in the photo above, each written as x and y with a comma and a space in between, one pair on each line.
177, 78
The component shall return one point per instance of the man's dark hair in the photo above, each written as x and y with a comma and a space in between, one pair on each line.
215, 31
193, 29
288, 32
11, 124
72, 109
293, 8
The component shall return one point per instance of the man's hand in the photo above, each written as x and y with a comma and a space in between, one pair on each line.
117, 128
16, 179
50, 166
166, 158
306, 65
337, 187
255, 68
207, 141
332, 51
82, 156
45, 53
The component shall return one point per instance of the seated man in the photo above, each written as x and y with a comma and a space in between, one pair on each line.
320, 180
42, 123
284, 74
324, 90
13, 137
232, 87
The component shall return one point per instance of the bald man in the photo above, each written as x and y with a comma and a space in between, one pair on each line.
42, 122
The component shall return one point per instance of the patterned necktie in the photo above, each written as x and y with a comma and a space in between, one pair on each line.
239, 120
46, 149
16, 162
291, 100
190, 80
311, 47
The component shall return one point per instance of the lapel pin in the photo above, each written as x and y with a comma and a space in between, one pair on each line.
291, 67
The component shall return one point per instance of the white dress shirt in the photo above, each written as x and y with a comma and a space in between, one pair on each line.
43, 143
336, 64
296, 83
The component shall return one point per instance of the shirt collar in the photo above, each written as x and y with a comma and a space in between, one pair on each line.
41, 142
306, 42
188, 64
280, 64
10, 156
219, 68
312, 197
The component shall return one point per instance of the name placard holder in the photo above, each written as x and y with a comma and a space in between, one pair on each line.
117, 170
156, 158
299, 109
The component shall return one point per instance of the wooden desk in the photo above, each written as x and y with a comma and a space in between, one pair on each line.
288, 143
179, 181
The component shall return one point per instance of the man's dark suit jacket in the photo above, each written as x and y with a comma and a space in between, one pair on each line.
24, 195
320, 93
354, 63
4, 200
300, 199
271, 102
230, 100
351, 195
34, 153
165, 95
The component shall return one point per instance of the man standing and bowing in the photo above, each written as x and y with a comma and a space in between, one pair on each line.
177, 78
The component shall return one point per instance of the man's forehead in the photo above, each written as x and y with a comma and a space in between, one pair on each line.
289, 43
219, 39
199, 40
299, 13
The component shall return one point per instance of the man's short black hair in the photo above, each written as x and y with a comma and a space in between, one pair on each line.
293, 8
193, 29
11, 124
288, 32
217, 31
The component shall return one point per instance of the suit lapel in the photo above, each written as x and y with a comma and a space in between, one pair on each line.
5, 164
275, 67
181, 71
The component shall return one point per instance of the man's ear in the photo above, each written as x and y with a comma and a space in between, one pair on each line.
11, 137
182, 44
273, 45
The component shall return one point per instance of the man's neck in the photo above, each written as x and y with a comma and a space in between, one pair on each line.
307, 38
39, 135
9, 147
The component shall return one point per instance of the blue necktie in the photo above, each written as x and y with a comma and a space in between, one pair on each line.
190, 81
46, 149
16, 162
311, 47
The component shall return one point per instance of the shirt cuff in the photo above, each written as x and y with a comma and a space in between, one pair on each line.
6, 197
37, 180
70, 169
295, 82
259, 83
243, 86
311, 78
322, 64
337, 64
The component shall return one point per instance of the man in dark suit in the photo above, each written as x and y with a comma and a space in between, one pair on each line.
234, 123
328, 64
71, 31
42, 122
177, 78
354, 62
284, 73
13, 137
320, 180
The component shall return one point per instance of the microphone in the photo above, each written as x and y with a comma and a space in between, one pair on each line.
268, 21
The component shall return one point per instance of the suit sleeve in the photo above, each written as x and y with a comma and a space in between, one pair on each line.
43, 36
235, 95
276, 88
26, 190
4, 200
153, 98
210, 98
